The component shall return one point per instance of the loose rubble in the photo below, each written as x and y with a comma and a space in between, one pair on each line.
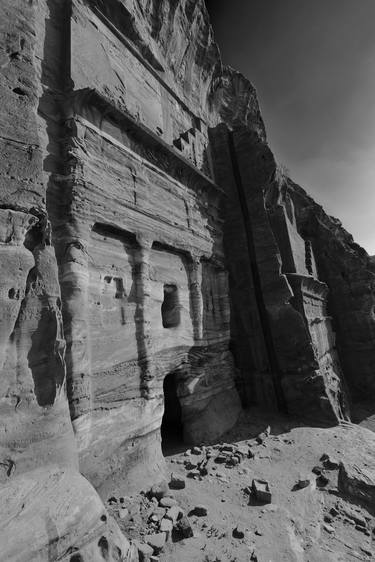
235, 501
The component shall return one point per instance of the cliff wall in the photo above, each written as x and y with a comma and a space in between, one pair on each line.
35, 421
151, 251
348, 271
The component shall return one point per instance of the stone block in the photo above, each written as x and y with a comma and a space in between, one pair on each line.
261, 491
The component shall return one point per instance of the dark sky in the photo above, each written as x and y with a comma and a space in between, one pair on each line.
313, 64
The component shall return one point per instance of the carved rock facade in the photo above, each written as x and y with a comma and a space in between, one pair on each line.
151, 249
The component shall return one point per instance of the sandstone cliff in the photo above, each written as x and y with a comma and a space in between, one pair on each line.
152, 254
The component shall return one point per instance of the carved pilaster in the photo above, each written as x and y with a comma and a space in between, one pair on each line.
74, 276
143, 316
195, 285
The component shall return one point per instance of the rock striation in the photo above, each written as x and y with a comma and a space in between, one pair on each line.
158, 267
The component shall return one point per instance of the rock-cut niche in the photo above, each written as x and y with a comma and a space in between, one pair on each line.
170, 309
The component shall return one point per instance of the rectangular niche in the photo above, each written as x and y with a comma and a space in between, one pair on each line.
170, 308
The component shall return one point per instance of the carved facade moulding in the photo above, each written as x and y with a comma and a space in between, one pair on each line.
95, 108
145, 242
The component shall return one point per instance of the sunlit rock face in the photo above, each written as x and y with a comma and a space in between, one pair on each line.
142, 268
155, 262
44, 499
52, 513
35, 421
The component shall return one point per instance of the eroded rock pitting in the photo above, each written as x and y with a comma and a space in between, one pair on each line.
153, 254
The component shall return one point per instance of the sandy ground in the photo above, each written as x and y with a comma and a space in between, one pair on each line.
304, 525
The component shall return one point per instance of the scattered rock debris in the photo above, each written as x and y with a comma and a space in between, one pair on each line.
235, 501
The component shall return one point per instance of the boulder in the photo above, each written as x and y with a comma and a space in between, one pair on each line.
357, 481
173, 513
329, 463
145, 551
239, 531
159, 490
183, 528
196, 451
156, 541
166, 526
177, 482
303, 481
200, 510
167, 502
261, 491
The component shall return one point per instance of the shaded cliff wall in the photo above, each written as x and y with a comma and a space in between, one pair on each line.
310, 293
348, 271
300, 370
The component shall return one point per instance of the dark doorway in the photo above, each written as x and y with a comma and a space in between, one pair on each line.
171, 428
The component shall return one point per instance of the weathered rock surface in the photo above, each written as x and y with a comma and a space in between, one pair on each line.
47, 508
34, 414
142, 270
293, 361
55, 514
349, 273
356, 477
157, 268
